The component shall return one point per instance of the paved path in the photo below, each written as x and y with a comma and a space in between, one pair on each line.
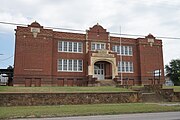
138, 116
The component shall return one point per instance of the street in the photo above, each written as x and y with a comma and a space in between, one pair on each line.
138, 116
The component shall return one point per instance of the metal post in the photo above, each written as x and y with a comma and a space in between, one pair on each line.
121, 75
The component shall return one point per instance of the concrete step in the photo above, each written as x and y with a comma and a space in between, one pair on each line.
105, 82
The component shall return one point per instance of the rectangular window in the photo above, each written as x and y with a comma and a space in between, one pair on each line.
75, 47
60, 46
70, 47
131, 67
130, 50
122, 50
65, 65
126, 50
93, 46
75, 65
79, 65
114, 48
70, 65
98, 46
79, 47
64, 46
125, 66
60, 64
102, 46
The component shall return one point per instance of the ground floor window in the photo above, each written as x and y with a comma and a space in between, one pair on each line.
70, 65
125, 66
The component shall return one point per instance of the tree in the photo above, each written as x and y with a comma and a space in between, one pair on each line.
173, 71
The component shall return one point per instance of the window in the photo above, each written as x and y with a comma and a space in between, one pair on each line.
123, 50
64, 46
125, 66
75, 47
65, 65
75, 65
79, 47
70, 47
79, 65
70, 65
130, 50
98, 46
60, 63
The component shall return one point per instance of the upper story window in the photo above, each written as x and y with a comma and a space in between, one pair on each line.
64, 46
123, 50
98, 46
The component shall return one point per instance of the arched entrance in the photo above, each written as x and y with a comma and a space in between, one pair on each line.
102, 70
97, 67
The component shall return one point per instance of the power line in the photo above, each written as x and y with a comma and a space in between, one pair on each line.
7, 58
77, 30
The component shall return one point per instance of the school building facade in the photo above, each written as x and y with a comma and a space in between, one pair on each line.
44, 57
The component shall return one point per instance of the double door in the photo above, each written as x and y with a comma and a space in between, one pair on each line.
99, 71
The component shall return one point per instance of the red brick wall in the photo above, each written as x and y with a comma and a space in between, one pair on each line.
36, 58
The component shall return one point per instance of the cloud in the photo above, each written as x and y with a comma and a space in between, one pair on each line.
160, 17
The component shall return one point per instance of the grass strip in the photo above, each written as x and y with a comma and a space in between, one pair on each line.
82, 110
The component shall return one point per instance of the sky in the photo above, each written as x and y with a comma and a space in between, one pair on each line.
138, 17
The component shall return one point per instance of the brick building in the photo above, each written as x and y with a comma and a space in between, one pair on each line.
46, 57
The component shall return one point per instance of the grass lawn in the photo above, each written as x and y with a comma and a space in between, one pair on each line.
176, 88
76, 110
62, 89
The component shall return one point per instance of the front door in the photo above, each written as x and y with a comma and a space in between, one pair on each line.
99, 71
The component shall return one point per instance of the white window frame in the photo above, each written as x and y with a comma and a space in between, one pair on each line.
125, 67
61, 65
123, 50
95, 44
77, 49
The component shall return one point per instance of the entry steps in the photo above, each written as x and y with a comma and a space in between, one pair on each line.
105, 82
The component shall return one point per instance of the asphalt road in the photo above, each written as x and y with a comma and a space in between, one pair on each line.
138, 116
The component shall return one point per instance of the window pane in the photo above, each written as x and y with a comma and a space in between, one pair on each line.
130, 50
75, 65
65, 65
79, 65
113, 48
70, 46
123, 66
118, 49
102, 46
70, 65
79, 47
93, 46
126, 50
131, 67
97, 46
75, 46
122, 50
60, 46
127, 67
60, 64
65, 46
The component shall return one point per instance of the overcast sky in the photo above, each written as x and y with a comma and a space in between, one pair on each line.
158, 17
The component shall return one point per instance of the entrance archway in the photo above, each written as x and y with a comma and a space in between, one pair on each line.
102, 70
110, 61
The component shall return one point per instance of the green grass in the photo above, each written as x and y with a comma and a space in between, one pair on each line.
176, 88
61, 89
76, 110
